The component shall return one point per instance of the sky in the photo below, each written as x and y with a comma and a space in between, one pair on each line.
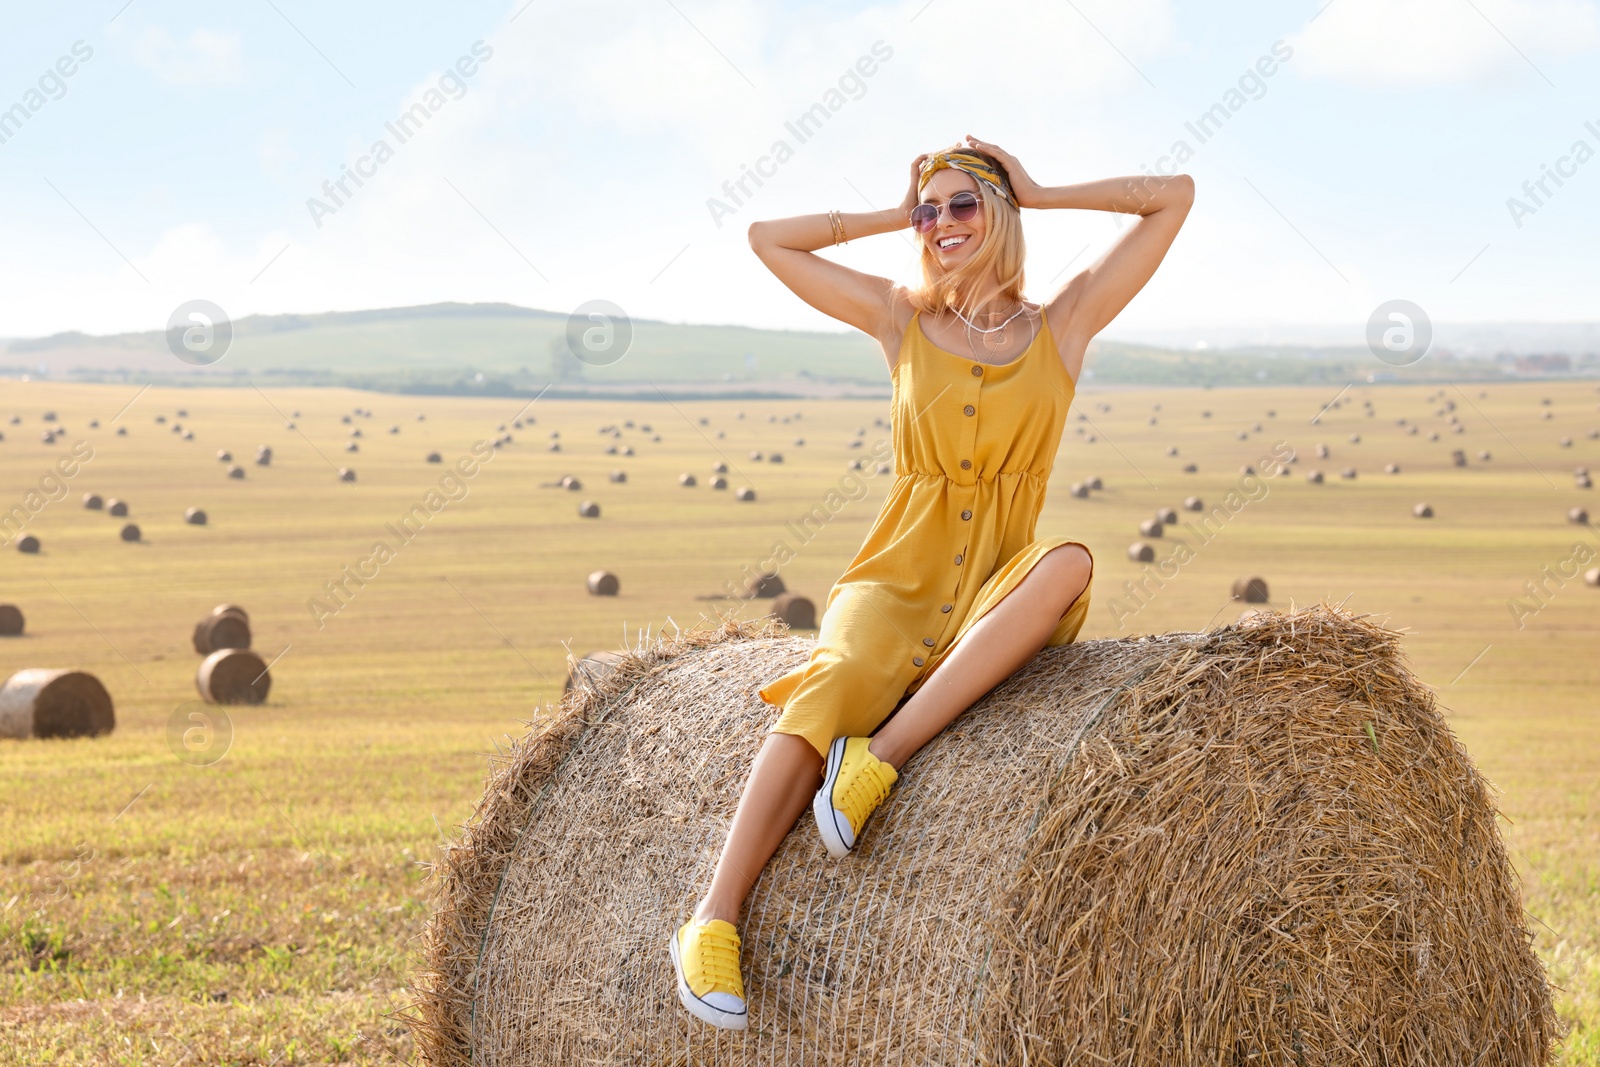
160, 151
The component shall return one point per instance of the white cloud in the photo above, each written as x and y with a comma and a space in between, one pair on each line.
1401, 43
205, 57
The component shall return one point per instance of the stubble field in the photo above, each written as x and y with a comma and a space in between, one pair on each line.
263, 908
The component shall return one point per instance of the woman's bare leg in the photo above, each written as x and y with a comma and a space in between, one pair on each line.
1003, 640
785, 776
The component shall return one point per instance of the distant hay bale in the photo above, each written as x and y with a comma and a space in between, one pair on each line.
52, 703
796, 611
1257, 845
93, 502
1314, 477
719, 482
28, 543
117, 508
764, 586
604, 583
591, 669
1094, 482
719, 467
1166, 516
776, 457
1391, 468
1459, 458
346, 474
1592, 576
1079, 490
11, 621
224, 456
1578, 515
1355, 439
588, 510
1151, 528
569, 482
1251, 590
745, 493
755, 455
1140, 552
1582, 481
352, 447
1193, 503
434, 457
130, 532
1347, 472
233, 676
619, 476
263, 456
1322, 451
884, 468
1191, 468
225, 627
1566, 442
687, 480
1422, 511
236, 472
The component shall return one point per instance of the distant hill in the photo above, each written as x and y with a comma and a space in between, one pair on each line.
503, 349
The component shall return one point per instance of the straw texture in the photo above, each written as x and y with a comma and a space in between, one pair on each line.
1260, 844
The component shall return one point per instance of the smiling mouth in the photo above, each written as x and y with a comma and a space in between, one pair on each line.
953, 241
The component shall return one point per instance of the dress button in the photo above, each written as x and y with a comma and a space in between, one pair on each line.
928, 641
946, 608
969, 410
916, 660
966, 464
958, 561
977, 372
966, 516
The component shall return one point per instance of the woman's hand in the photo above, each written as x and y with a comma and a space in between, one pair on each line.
912, 194
1023, 187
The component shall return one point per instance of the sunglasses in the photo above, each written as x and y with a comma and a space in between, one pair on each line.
963, 208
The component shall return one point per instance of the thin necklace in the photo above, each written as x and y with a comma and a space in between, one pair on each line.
1021, 307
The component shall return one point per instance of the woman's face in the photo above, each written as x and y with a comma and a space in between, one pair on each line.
953, 242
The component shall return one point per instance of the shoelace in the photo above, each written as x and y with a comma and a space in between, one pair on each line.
718, 956
864, 792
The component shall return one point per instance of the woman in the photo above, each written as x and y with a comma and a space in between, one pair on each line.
951, 592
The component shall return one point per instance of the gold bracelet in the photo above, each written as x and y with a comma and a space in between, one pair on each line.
837, 224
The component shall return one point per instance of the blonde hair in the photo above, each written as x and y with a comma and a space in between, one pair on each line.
1002, 252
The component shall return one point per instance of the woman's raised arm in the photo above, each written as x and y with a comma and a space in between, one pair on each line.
788, 247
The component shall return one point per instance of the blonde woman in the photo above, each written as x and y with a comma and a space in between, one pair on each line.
952, 591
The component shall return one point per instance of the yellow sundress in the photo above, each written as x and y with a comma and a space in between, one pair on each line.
974, 444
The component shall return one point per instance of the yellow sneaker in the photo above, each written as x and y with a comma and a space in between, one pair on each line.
705, 956
854, 783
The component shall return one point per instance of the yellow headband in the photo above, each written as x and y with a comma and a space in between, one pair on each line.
971, 164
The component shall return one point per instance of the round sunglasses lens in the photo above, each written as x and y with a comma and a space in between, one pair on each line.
963, 206
923, 216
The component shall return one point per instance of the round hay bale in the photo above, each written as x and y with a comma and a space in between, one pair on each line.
11, 621
687, 480
346, 474
93, 502
884, 468
434, 457
604, 583
1355, 439
569, 482
764, 586
263, 456
236, 472
1459, 458
591, 668
796, 611
719, 467
1322, 451
588, 510
1094, 482
1391, 468
1579, 516
194, 517
1314, 477
1191, 468
130, 532
1166, 516
352, 447
28, 543
1140, 552
222, 629
1347, 472
1566, 442
1582, 482
1251, 590
1192, 848
745, 493
1592, 576
755, 455
619, 476
233, 676
1422, 511
1193, 503
1151, 528
776, 457
719, 482
224, 456
117, 509
49, 703
1079, 490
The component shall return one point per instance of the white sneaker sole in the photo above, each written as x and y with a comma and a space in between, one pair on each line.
830, 823
706, 1013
